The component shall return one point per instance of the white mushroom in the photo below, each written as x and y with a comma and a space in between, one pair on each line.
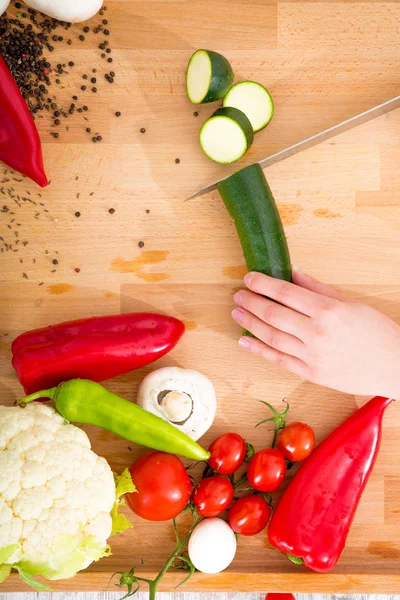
72, 11
3, 6
183, 397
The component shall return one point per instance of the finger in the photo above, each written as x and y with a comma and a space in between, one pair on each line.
276, 315
286, 293
313, 285
290, 363
269, 335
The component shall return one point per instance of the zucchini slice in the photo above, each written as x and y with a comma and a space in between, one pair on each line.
250, 202
226, 135
208, 77
254, 100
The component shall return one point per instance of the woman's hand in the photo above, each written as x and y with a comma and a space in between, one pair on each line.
320, 334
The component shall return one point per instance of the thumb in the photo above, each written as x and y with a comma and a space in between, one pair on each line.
309, 283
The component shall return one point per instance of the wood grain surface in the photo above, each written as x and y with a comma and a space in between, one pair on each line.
323, 62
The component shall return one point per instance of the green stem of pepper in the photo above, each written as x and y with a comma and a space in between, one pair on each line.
42, 394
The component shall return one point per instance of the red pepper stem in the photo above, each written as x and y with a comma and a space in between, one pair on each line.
43, 394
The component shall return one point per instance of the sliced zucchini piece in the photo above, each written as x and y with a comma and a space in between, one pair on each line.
208, 77
226, 135
254, 100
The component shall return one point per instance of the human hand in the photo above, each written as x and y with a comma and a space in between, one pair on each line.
320, 335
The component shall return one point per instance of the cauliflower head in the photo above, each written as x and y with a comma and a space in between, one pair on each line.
58, 499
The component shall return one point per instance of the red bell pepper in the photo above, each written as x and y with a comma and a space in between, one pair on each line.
20, 146
97, 348
312, 519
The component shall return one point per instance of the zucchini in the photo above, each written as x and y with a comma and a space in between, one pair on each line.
208, 77
226, 135
254, 100
250, 202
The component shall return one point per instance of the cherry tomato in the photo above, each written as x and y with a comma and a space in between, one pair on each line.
266, 470
296, 441
249, 515
228, 452
212, 496
163, 486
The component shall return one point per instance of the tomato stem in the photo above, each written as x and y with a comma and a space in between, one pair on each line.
279, 419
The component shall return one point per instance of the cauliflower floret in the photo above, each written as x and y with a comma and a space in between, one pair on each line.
56, 494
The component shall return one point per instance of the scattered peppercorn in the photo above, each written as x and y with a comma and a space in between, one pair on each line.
75, 98
93, 80
84, 76
112, 74
177, 161
195, 114
142, 130
118, 114
94, 139
88, 129
71, 64
54, 261
141, 244
77, 270
94, 90
105, 22
83, 88
108, 50
99, 138
57, 122
86, 29
77, 214
111, 211
82, 37
85, 108
106, 32
147, 211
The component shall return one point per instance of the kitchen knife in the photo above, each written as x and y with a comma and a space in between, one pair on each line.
324, 135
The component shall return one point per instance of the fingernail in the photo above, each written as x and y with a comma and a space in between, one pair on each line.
238, 297
237, 315
248, 278
296, 268
244, 342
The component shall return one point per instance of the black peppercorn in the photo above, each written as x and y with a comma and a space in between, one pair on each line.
109, 60
71, 64
112, 74
83, 87
142, 130
86, 29
108, 50
177, 161
118, 114
84, 76
88, 130
99, 138
57, 122
106, 32
105, 22
94, 90
94, 139
82, 37
55, 261
85, 107
141, 244
111, 211
77, 214
93, 80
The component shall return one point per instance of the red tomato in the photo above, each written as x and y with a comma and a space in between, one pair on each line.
163, 486
266, 470
228, 452
212, 496
296, 441
249, 515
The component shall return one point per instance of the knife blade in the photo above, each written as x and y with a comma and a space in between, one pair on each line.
322, 136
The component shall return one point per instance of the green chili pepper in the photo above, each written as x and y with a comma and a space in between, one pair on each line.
84, 401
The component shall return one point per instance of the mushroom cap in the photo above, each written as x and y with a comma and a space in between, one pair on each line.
173, 393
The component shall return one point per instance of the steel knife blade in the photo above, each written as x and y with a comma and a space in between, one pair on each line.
322, 136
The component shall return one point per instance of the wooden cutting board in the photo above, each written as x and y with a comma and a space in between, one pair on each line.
322, 62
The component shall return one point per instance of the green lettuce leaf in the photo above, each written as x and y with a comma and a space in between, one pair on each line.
123, 485
5, 570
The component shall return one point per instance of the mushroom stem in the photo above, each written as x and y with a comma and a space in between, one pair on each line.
178, 406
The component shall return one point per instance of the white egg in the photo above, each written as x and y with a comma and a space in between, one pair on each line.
212, 546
